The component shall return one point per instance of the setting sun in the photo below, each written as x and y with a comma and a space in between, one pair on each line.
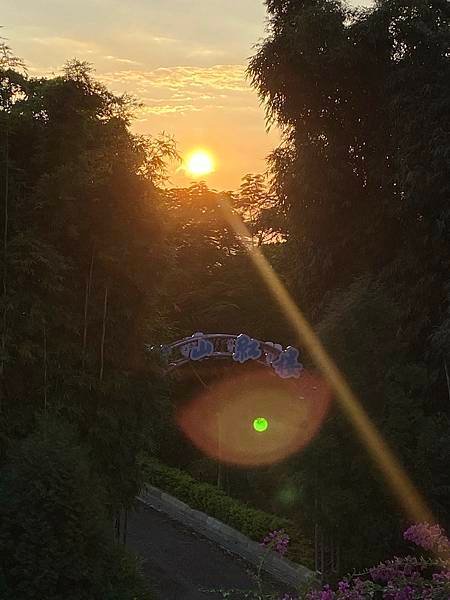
199, 163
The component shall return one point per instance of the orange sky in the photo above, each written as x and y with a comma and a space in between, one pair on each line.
184, 59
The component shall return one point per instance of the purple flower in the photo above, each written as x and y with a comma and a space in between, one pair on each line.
406, 578
429, 537
395, 593
325, 594
277, 540
442, 577
396, 569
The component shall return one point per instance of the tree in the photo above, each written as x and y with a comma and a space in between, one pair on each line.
258, 209
212, 283
312, 73
55, 542
339, 485
362, 98
83, 217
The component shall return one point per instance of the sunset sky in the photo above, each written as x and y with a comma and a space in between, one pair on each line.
184, 59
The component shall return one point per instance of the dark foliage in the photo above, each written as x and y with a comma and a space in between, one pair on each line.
55, 542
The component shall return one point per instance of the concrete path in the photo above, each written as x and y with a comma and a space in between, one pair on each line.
180, 563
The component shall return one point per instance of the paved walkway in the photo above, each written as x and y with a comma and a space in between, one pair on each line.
180, 563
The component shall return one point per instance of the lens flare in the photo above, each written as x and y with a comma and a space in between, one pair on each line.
260, 424
400, 484
217, 421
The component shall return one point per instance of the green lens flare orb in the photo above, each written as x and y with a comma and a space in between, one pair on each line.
260, 424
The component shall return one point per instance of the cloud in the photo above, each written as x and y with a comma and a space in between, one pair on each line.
217, 77
79, 47
125, 61
163, 40
67, 44
145, 37
184, 89
166, 109
206, 53
162, 108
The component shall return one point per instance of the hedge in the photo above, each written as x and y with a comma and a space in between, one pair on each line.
205, 497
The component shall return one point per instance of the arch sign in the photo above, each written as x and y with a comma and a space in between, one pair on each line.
240, 348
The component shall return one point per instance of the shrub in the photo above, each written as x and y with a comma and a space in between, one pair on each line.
55, 539
402, 578
405, 578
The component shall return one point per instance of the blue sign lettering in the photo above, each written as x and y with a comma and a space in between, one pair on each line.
246, 348
287, 365
203, 349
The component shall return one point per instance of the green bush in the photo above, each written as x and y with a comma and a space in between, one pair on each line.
205, 497
55, 537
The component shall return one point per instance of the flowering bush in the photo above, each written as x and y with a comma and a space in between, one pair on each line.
429, 537
277, 540
407, 578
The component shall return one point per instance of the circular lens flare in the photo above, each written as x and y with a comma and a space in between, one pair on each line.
217, 421
199, 163
260, 424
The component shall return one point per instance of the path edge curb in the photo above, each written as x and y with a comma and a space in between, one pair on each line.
228, 538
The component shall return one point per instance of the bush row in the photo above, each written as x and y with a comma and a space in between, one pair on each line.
205, 497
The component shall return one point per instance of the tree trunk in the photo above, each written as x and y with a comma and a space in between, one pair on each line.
102, 346
86, 307
117, 532
322, 553
5, 254
219, 452
45, 368
447, 377
125, 526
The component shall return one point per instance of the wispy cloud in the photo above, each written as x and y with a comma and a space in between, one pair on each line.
166, 109
146, 37
125, 61
163, 40
184, 89
206, 53
217, 77
74, 46
67, 44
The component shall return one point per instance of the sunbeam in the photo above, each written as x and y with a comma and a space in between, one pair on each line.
400, 484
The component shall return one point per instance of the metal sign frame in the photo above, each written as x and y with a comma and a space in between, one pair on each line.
239, 348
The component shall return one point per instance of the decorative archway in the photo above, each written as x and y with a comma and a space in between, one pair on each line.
239, 348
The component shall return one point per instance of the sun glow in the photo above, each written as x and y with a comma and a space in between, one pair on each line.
199, 163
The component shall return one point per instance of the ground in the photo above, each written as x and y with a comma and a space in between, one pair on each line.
179, 563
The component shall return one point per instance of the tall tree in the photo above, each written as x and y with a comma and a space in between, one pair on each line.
362, 98
54, 534
83, 207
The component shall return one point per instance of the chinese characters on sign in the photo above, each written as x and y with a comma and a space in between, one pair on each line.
287, 365
246, 349
241, 348
203, 349
198, 349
